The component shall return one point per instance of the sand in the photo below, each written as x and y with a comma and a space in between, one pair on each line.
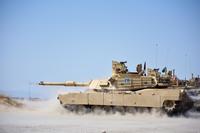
49, 117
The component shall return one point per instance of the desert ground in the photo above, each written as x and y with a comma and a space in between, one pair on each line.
47, 116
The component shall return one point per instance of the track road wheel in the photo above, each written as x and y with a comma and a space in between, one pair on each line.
169, 107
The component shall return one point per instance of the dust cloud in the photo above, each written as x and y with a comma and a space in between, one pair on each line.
48, 116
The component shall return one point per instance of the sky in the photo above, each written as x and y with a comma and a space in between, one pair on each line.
59, 40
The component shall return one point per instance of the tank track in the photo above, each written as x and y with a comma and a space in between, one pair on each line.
85, 109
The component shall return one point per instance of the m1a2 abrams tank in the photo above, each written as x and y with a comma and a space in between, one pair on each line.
126, 90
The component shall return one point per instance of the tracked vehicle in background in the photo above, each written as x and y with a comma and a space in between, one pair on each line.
125, 90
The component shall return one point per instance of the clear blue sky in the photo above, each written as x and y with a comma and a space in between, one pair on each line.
62, 40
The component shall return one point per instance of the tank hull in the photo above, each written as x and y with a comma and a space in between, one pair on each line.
170, 99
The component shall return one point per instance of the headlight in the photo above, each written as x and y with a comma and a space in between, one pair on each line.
182, 91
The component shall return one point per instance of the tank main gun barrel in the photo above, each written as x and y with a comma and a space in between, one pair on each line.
67, 83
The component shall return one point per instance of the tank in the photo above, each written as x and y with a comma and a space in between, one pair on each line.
193, 83
126, 90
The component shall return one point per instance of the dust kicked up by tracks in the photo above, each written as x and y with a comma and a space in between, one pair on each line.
47, 116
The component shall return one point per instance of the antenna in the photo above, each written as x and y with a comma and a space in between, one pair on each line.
186, 66
29, 90
167, 56
156, 55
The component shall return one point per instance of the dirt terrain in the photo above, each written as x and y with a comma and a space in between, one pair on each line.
7, 101
47, 116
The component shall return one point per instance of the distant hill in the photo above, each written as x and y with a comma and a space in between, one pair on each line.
5, 100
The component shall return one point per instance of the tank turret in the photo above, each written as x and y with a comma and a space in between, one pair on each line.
121, 80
